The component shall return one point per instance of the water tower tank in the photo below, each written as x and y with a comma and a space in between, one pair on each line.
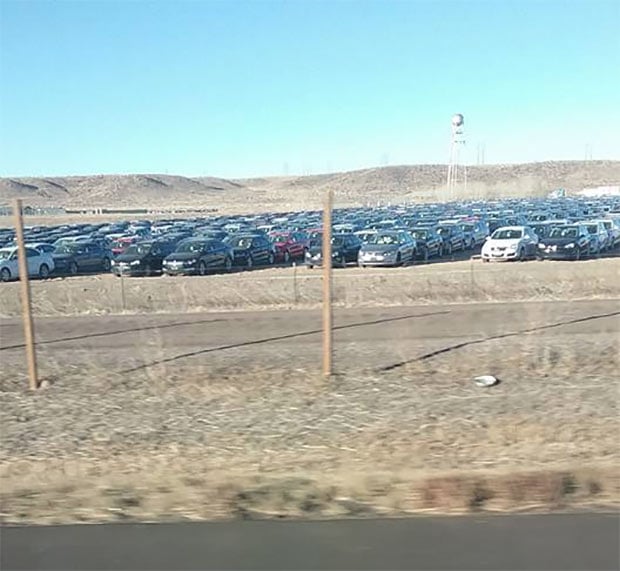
458, 120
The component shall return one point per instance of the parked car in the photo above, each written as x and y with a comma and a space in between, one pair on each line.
565, 243
45, 247
510, 243
251, 250
197, 256
40, 264
613, 232
121, 244
345, 250
75, 257
366, 234
142, 259
475, 232
388, 248
453, 238
288, 246
600, 237
429, 242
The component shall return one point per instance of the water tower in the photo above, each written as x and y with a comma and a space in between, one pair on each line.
457, 171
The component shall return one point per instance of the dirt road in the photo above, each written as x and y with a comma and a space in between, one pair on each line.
368, 338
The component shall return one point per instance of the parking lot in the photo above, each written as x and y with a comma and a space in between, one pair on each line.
511, 230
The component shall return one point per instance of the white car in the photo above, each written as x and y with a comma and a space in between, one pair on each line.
40, 264
510, 243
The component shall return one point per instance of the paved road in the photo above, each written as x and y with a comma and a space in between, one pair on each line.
368, 337
583, 541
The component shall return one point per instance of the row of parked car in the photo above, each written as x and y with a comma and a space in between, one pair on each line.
387, 236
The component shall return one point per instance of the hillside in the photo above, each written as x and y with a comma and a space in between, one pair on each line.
374, 185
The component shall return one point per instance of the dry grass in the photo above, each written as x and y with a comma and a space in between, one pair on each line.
196, 441
456, 282
255, 432
197, 494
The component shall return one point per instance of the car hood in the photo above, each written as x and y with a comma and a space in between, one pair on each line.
182, 257
379, 248
501, 243
127, 258
558, 241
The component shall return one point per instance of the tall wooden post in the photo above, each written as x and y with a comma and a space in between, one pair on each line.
327, 285
31, 356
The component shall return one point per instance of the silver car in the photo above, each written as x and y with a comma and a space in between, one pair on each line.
388, 248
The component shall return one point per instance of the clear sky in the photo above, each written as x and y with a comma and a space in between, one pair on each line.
235, 89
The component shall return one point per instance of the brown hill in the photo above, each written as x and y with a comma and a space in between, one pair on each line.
374, 185
428, 182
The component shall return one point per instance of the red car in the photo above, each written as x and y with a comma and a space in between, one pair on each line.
289, 245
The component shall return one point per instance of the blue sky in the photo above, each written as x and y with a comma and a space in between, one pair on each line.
237, 89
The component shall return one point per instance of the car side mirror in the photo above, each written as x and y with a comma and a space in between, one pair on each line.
487, 238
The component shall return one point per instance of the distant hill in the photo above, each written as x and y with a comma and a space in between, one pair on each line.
374, 185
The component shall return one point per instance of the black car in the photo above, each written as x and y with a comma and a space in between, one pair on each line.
142, 259
75, 257
251, 250
429, 242
565, 243
195, 256
453, 237
345, 250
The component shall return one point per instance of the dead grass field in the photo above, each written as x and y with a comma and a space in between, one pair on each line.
243, 437
457, 282
193, 443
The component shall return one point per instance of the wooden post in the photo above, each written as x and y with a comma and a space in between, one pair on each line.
295, 292
123, 303
31, 356
327, 285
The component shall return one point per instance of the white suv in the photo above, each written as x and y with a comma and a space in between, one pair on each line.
510, 243
39, 263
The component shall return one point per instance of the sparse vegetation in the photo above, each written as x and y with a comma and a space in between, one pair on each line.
421, 183
284, 288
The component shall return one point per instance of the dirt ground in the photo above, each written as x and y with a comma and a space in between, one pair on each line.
254, 431
285, 288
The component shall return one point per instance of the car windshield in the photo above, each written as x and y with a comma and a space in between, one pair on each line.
191, 247
563, 233
5, 254
419, 234
67, 248
507, 234
592, 229
280, 238
467, 227
443, 230
240, 242
386, 239
138, 250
